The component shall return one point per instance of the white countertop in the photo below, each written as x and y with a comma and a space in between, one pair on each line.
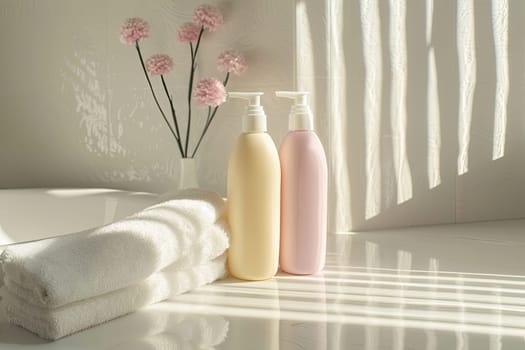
439, 287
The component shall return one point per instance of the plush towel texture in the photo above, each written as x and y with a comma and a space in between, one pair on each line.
208, 247
58, 286
54, 323
65, 269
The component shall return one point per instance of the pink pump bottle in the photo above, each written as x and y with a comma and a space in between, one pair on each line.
303, 192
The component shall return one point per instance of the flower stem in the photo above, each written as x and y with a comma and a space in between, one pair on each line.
153, 91
198, 42
211, 115
190, 87
173, 114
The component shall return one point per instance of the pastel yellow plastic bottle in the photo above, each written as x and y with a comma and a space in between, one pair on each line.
253, 206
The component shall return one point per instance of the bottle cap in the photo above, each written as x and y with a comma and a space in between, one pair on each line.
300, 117
255, 119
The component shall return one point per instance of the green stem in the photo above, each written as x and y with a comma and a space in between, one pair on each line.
211, 115
206, 126
173, 114
198, 43
188, 125
190, 87
151, 88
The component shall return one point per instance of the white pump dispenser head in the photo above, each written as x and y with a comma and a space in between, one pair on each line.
255, 119
300, 115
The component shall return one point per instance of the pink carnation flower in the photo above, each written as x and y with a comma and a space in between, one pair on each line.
208, 16
189, 32
134, 29
159, 64
209, 93
231, 61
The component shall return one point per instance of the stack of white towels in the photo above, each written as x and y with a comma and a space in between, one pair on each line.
58, 286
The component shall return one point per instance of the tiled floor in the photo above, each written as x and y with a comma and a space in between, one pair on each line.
439, 287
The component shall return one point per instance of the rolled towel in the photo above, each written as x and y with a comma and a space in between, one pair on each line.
55, 323
65, 269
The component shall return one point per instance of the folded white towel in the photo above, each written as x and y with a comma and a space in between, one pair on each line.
54, 323
61, 270
211, 245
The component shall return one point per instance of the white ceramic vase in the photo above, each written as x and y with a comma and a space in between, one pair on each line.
187, 174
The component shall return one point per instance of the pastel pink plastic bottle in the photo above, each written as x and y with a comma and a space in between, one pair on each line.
303, 193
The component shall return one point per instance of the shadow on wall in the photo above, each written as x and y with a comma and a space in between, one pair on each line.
120, 134
89, 84
105, 133
424, 111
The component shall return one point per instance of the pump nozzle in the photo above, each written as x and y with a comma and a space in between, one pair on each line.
300, 114
255, 119
300, 97
254, 98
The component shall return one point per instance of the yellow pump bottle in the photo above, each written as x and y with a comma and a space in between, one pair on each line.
253, 205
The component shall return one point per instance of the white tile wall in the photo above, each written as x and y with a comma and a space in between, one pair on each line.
75, 107
416, 90
392, 83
